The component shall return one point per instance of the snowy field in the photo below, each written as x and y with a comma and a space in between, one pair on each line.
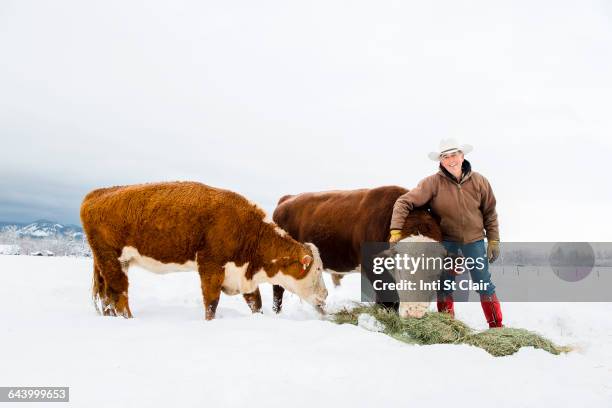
169, 356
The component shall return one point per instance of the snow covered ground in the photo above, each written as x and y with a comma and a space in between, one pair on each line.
169, 356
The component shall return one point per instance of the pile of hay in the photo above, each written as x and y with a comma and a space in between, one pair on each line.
440, 328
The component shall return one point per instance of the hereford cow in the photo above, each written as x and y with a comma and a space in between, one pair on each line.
177, 226
337, 222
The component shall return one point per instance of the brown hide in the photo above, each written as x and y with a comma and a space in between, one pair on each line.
337, 222
178, 222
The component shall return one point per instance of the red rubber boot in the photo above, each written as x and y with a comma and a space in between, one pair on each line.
446, 304
492, 310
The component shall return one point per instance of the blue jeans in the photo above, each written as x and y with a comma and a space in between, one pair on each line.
479, 273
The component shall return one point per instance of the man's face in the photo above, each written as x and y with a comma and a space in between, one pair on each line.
452, 162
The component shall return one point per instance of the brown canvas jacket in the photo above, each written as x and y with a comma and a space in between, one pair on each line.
466, 208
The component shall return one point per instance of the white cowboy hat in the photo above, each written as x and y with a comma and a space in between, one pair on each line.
449, 146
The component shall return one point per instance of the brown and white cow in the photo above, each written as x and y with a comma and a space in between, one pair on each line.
177, 226
338, 222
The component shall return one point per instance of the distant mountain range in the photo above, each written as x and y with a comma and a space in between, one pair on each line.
43, 229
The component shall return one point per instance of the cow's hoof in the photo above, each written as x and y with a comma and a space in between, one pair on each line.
109, 311
336, 279
122, 307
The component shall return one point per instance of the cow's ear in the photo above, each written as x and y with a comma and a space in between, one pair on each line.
306, 261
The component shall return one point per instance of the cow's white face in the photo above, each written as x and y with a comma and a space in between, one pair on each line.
314, 279
311, 287
418, 309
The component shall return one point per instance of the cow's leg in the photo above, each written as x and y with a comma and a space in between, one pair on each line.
211, 279
114, 297
253, 299
99, 293
336, 278
277, 298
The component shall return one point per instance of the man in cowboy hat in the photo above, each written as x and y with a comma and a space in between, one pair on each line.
465, 203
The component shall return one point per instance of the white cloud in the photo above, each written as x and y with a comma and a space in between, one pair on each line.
273, 97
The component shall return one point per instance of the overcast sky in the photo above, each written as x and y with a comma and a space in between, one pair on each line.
273, 97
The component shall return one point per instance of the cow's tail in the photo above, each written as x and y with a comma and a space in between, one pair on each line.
97, 289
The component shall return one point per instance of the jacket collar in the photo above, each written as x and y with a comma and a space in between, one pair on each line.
466, 172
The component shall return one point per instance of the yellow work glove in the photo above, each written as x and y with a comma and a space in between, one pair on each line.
396, 235
492, 250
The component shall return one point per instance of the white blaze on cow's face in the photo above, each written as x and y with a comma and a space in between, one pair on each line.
416, 309
311, 287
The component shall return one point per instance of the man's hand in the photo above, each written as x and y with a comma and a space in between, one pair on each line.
396, 235
492, 250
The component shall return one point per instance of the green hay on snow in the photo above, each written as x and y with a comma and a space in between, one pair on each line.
440, 328
505, 341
